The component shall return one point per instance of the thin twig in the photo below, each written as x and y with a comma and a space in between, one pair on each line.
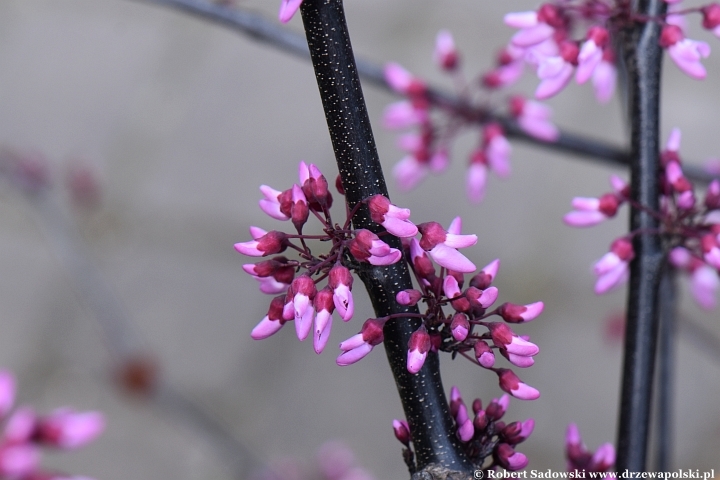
262, 29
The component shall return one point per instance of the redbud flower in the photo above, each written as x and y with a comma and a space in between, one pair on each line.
65, 428
497, 149
509, 459
711, 250
418, 348
288, 9
591, 211
484, 354
612, 268
711, 18
394, 219
506, 339
299, 211
712, 196
409, 172
459, 326
518, 432
403, 81
579, 458
421, 263
272, 322
591, 53
555, 72
534, 118
535, 27
442, 247
402, 431
367, 247
324, 307
303, 292
512, 313
466, 430
476, 177
704, 285
358, 346
604, 77
18, 461
497, 408
274, 275
510, 383
315, 187
268, 244
272, 203
403, 114
446, 55
340, 280
408, 297
684, 52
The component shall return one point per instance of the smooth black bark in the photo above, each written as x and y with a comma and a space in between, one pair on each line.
664, 412
643, 58
422, 395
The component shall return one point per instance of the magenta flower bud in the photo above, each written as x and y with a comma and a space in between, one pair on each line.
19, 461
497, 408
288, 9
508, 458
299, 211
422, 264
68, 429
20, 426
704, 284
512, 313
511, 384
517, 432
455, 400
476, 405
534, 118
466, 430
441, 246
272, 322
315, 187
394, 219
357, 347
712, 197
404, 114
711, 18
367, 247
684, 52
402, 431
484, 354
403, 81
408, 297
269, 244
459, 327
418, 348
304, 291
271, 203
506, 339
613, 268
340, 280
480, 422
446, 55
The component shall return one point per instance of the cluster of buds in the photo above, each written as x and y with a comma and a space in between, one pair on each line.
26, 432
580, 459
470, 304
690, 229
481, 437
311, 306
427, 147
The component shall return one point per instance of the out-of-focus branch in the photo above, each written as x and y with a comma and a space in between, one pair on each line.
262, 29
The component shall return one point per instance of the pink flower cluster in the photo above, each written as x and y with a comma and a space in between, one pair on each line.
580, 459
482, 436
691, 229
26, 432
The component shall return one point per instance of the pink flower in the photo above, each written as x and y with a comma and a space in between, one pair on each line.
711, 18
580, 458
534, 118
402, 431
403, 81
446, 55
268, 244
511, 384
684, 52
324, 307
604, 77
65, 428
477, 177
441, 246
288, 9
408, 297
555, 72
272, 203
272, 322
403, 114
509, 459
591, 211
512, 313
18, 461
358, 346
518, 350
535, 27
367, 247
7, 392
518, 432
459, 326
418, 348
497, 149
274, 275
340, 281
591, 53
394, 219
302, 291
421, 262
315, 187
711, 250
484, 354
612, 268
704, 285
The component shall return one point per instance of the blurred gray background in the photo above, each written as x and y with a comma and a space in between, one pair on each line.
184, 120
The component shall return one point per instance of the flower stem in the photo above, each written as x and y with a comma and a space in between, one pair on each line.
422, 395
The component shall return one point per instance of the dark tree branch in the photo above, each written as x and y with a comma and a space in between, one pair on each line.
643, 57
422, 395
664, 417
262, 29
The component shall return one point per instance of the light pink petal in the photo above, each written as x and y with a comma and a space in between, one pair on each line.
519, 346
415, 360
551, 68
460, 241
18, 460
403, 114
351, 356
7, 392
686, 55
604, 80
487, 360
249, 248
498, 155
704, 286
517, 460
488, 297
21, 425
343, 300
532, 35
550, 87
673, 142
321, 334
270, 286
510, 73
525, 392
265, 328
589, 58
492, 268
604, 456
476, 179
542, 129
521, 19
400, 228
680, 257
520, 360
352, 342
533, 311
303, 321
397, 77
450, 258
455, 226
379, 248
408, 173
612, 278
409, 142
586, 204
451, 287
439, 161
466, 431
584, 218
606, 263
288, 9
393, 257
257, 232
